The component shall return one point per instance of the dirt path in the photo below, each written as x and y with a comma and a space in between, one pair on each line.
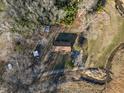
117, 85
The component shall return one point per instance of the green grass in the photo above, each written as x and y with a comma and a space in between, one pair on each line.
23, 25
77, 47
100, 58
2, 6
91, 43
100, 5
68, 61
69, 64
116, 41
24, 28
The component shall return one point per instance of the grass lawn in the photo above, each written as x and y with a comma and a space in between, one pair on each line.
2, 6
115, 42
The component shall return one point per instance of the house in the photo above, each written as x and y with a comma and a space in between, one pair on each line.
64, 42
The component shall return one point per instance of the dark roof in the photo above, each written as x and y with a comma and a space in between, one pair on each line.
65, 39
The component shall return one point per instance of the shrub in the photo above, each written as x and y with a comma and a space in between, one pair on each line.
100, 5
2, 6
62, 3
71, 11
69, 64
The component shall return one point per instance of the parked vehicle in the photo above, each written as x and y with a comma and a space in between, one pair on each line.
37, 53
47, 29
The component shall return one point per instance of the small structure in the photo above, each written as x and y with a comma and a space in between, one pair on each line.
64, 42
37, 53
47, 29
9, 66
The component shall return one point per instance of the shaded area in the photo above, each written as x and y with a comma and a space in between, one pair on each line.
101, 3
62, 3
90, 80
119, 6
65, 39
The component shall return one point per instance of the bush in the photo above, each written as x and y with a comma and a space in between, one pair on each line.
100, 5
71, 11
2, 6
77, 47
23, 26
62, 3
69, 64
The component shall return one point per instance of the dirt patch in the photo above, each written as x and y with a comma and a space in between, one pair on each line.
117, 85
79, 87
6, 45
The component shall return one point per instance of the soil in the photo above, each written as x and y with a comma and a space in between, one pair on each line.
117, 85
80, 87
